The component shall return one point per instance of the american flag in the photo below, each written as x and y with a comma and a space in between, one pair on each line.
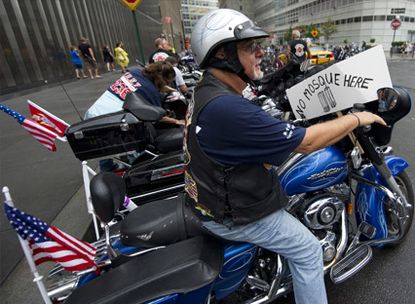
51, 244
47, 119
42, 134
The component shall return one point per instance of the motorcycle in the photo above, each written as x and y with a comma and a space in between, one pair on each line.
156, 171
150, 150
353, 196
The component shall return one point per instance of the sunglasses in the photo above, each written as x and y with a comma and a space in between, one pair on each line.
253, 46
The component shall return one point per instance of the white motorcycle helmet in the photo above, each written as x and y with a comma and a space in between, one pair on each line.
219, 28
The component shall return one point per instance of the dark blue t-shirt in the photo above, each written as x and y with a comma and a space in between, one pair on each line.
143, 86
232, 131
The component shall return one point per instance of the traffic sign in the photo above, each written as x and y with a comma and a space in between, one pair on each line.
395, 24
132, 4
398, 11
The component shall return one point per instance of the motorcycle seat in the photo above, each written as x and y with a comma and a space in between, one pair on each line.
168, 221
179, 268
107, 195
142, 109
169, 139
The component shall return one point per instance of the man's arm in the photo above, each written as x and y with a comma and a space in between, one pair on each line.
327, 133
308, 51
180, 81
172, 120
91, 52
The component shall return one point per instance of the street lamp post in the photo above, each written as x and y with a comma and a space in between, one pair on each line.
132, 5
140, 46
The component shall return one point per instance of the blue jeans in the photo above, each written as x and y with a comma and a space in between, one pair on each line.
282, 233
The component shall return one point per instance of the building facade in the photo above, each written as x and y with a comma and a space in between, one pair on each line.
356, 20
244, 6
172, 23
35, 36
193, 10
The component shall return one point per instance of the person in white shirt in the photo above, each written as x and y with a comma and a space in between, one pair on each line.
179, 82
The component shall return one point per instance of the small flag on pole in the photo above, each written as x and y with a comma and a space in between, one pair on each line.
51, 244
47, 119
42, 134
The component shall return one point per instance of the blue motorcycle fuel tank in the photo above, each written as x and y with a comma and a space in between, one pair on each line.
314, 171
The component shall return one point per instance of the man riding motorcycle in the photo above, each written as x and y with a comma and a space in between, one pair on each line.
231, 144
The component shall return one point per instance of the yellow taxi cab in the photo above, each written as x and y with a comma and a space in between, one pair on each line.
319, 55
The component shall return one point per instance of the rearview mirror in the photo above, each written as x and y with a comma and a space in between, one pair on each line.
388, 99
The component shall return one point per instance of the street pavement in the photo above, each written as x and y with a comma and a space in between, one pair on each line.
42, 183
49, 186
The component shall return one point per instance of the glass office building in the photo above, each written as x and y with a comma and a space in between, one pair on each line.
35, 36
356, 20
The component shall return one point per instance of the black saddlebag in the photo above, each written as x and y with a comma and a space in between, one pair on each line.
106, 135
177, 269
160, 223
156, 179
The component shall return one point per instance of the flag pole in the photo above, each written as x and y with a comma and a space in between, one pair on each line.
86, 171
28, 254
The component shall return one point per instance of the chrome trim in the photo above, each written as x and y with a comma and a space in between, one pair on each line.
354, 270
143, 251
158, 191
341, 246
151, 153
399, 200
274, 291
111, 252
289, 162
313, 212
389, 193
64, 288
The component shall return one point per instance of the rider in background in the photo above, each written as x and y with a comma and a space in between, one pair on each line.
298, 47
163, 50
150, 83
179, 83
231, 144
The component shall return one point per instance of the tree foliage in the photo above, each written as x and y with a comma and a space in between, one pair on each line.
287, 35
328, 29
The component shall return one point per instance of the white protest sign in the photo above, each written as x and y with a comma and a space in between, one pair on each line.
354, 80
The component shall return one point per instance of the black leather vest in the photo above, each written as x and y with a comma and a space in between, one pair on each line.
243, 193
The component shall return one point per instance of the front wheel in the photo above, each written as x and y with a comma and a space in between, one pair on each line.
405, 185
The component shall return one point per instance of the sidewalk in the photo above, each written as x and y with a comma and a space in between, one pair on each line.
399, 57
45, 184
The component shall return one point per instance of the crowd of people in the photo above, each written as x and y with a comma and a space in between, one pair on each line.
408, 48
159, 78
83, 57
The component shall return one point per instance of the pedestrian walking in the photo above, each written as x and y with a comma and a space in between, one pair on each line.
77, 63
121, 56
108, 58
89, 57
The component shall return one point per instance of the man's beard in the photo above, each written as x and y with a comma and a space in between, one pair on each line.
258, 74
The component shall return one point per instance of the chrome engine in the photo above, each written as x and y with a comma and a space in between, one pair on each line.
322, 214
